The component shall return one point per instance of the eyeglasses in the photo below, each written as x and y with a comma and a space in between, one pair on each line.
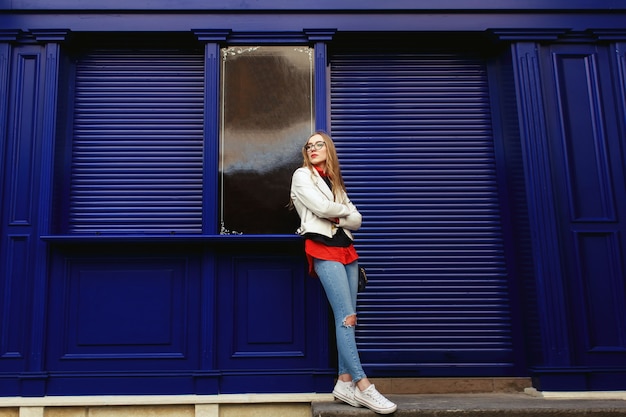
317, 145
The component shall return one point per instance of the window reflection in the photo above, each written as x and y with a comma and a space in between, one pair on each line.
267, 114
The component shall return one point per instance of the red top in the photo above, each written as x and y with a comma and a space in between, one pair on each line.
328, 253
319, 250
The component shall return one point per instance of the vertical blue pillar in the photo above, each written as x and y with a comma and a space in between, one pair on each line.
51, 40
206, 378
212, 39
29, 78
541, 211
322, 101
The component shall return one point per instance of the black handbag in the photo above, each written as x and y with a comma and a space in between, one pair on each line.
362, 279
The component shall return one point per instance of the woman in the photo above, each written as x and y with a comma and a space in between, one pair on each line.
327, 218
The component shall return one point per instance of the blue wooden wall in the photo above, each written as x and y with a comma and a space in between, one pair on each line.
214, 314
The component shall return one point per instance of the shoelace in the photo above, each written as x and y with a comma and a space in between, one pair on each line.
378, 397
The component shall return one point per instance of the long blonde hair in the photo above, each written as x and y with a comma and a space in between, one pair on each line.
332, 169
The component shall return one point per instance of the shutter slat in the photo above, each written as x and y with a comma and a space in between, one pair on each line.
414, 138
138, 143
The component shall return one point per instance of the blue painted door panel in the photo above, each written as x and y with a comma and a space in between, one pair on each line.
121, 314
589, 178
272, 325
21, 164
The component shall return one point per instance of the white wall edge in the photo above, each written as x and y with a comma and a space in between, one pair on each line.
577, 395
86, 401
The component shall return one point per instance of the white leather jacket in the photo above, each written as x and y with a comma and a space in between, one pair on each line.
314, 202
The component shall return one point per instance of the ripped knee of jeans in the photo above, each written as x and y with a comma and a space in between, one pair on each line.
350, 321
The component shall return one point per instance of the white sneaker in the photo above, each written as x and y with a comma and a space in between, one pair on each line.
344, 391
374, 400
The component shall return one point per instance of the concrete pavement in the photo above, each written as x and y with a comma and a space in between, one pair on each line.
482, 405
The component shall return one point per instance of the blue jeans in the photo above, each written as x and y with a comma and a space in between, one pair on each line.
340, 283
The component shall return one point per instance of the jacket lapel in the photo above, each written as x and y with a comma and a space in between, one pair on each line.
323, 187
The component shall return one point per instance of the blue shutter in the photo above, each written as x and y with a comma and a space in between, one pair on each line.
138, 143
415, 142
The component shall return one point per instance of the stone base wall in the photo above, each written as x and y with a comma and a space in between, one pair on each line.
237, 405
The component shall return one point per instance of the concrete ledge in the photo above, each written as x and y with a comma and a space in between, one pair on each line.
578, 395
480, 405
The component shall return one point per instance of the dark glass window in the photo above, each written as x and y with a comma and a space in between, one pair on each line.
267, 115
